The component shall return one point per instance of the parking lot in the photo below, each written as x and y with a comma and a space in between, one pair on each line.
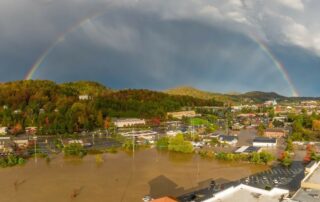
278, 176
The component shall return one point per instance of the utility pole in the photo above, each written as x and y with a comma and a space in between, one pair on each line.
198, 168
35, 148
133, 142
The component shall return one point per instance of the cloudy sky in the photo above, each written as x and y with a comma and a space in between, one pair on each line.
213, 45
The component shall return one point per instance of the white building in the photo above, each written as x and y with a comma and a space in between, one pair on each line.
84, 97
120, 123
248, 149
310, 185
264, 142
247, 193
139, 133
270, 103
76, 142
173, 133
181, 114
3, 130
21, 143
228, 139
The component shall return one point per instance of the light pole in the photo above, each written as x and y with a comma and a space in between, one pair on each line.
133, 142
35, 148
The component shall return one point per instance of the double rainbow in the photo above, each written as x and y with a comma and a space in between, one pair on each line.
62, 36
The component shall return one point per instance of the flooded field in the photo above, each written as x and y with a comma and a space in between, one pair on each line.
121, 177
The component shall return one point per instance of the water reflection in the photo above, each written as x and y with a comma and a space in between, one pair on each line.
175, 157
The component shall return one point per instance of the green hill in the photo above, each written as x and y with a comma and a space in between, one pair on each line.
87, 87
190, 91
57, 109
255, 96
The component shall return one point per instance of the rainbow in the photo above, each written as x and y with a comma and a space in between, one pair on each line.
62, 36
59, 39
278, 64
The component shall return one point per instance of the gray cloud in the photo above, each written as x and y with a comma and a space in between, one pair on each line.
156, 44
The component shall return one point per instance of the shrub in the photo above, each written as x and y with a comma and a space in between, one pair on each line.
178, 144
74, 149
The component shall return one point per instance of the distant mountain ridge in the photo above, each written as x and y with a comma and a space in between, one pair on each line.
97, 89
191, 91
262, 96
256, 96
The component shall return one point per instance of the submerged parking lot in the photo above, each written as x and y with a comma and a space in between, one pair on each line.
278, 176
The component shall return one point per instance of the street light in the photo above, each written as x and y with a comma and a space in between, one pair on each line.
35, 148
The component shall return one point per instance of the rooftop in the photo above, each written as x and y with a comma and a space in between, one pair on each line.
247, 149
280, 130
228, 137
310, 185
249, 194
313, 178
309, 195
165, 199
265, 140
128, 120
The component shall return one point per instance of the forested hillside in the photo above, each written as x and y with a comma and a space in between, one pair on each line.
56, 108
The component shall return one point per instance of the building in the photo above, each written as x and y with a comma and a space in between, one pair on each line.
214, 135
21, 143
140, 133
248, 149
309, 103
120, 123
75, 142
181, 114
270, 103
3, 130
246, 115
165, 199
274, 132
237, 126
84, 97
312, 179
173, 133
247, 193
264, 142
228, 139
31, 130
5, 145
310, 185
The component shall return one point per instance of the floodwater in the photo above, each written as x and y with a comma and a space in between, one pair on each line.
120, 177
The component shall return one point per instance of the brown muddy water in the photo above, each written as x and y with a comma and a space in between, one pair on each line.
121, 177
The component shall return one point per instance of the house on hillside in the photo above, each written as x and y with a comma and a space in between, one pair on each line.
85, 97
